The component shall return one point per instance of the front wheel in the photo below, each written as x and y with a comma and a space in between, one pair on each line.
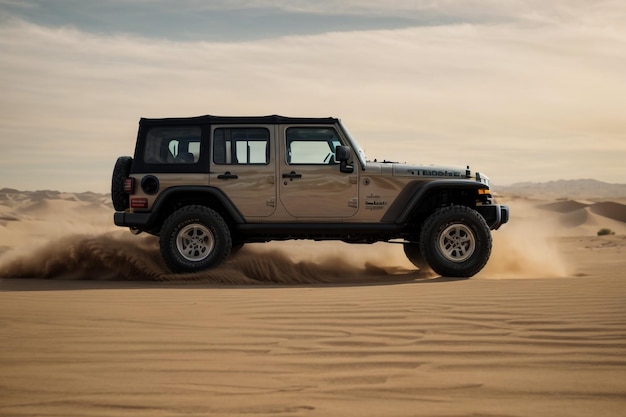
194, 238
456, 241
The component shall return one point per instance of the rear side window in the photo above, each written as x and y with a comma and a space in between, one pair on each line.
173, 145
241, 146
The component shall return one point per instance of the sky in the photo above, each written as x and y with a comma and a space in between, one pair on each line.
521, 90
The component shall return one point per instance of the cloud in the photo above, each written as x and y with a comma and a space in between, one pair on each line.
237, 20
522, 99
192, 20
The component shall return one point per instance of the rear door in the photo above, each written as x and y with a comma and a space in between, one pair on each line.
243, 166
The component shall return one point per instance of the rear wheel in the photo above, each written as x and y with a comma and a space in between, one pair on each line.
456, 241
194, 238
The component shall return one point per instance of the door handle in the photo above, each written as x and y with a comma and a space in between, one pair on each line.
292, 175
227, 176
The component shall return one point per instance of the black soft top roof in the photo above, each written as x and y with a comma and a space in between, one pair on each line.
208, 119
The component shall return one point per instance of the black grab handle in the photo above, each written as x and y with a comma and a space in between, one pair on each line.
292, 174
227, 176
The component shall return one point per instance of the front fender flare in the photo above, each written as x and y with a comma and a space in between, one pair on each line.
417, 191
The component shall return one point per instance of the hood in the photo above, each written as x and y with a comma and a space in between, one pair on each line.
410, 170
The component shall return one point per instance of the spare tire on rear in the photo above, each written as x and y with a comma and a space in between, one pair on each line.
120, 173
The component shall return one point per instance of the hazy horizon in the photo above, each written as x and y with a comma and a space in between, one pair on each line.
497, 187
522, 92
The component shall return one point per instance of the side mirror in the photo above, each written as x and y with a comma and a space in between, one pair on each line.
342, 154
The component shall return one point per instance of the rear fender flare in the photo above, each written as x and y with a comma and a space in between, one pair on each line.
196, 193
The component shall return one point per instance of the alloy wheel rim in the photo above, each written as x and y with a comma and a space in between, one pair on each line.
195, 242
457, 242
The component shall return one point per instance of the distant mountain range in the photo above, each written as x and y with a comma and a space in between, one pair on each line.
570, 189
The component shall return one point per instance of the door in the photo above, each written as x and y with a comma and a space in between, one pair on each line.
243, 166
311, 184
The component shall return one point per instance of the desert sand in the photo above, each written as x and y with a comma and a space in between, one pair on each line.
91, 324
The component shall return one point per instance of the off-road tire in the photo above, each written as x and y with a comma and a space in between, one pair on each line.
120, 173
456, 241
194, 238
413, 253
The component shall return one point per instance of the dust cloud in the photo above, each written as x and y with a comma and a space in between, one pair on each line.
526, 247
137, 258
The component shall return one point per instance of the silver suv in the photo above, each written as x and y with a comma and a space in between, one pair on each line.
207, 185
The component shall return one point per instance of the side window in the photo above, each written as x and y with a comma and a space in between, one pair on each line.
243, 146
311, 145
173, 145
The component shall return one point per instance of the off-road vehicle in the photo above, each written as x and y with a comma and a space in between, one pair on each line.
207, 185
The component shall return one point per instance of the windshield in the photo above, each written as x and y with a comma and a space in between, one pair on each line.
354, 145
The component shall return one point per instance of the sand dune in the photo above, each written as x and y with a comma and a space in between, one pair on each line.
587, 218
610, 209
564, 206
29, 219
92, 324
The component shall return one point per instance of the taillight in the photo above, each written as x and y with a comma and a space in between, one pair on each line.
139, 203
129, 185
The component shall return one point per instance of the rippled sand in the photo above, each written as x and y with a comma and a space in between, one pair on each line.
91, 324
429, 346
